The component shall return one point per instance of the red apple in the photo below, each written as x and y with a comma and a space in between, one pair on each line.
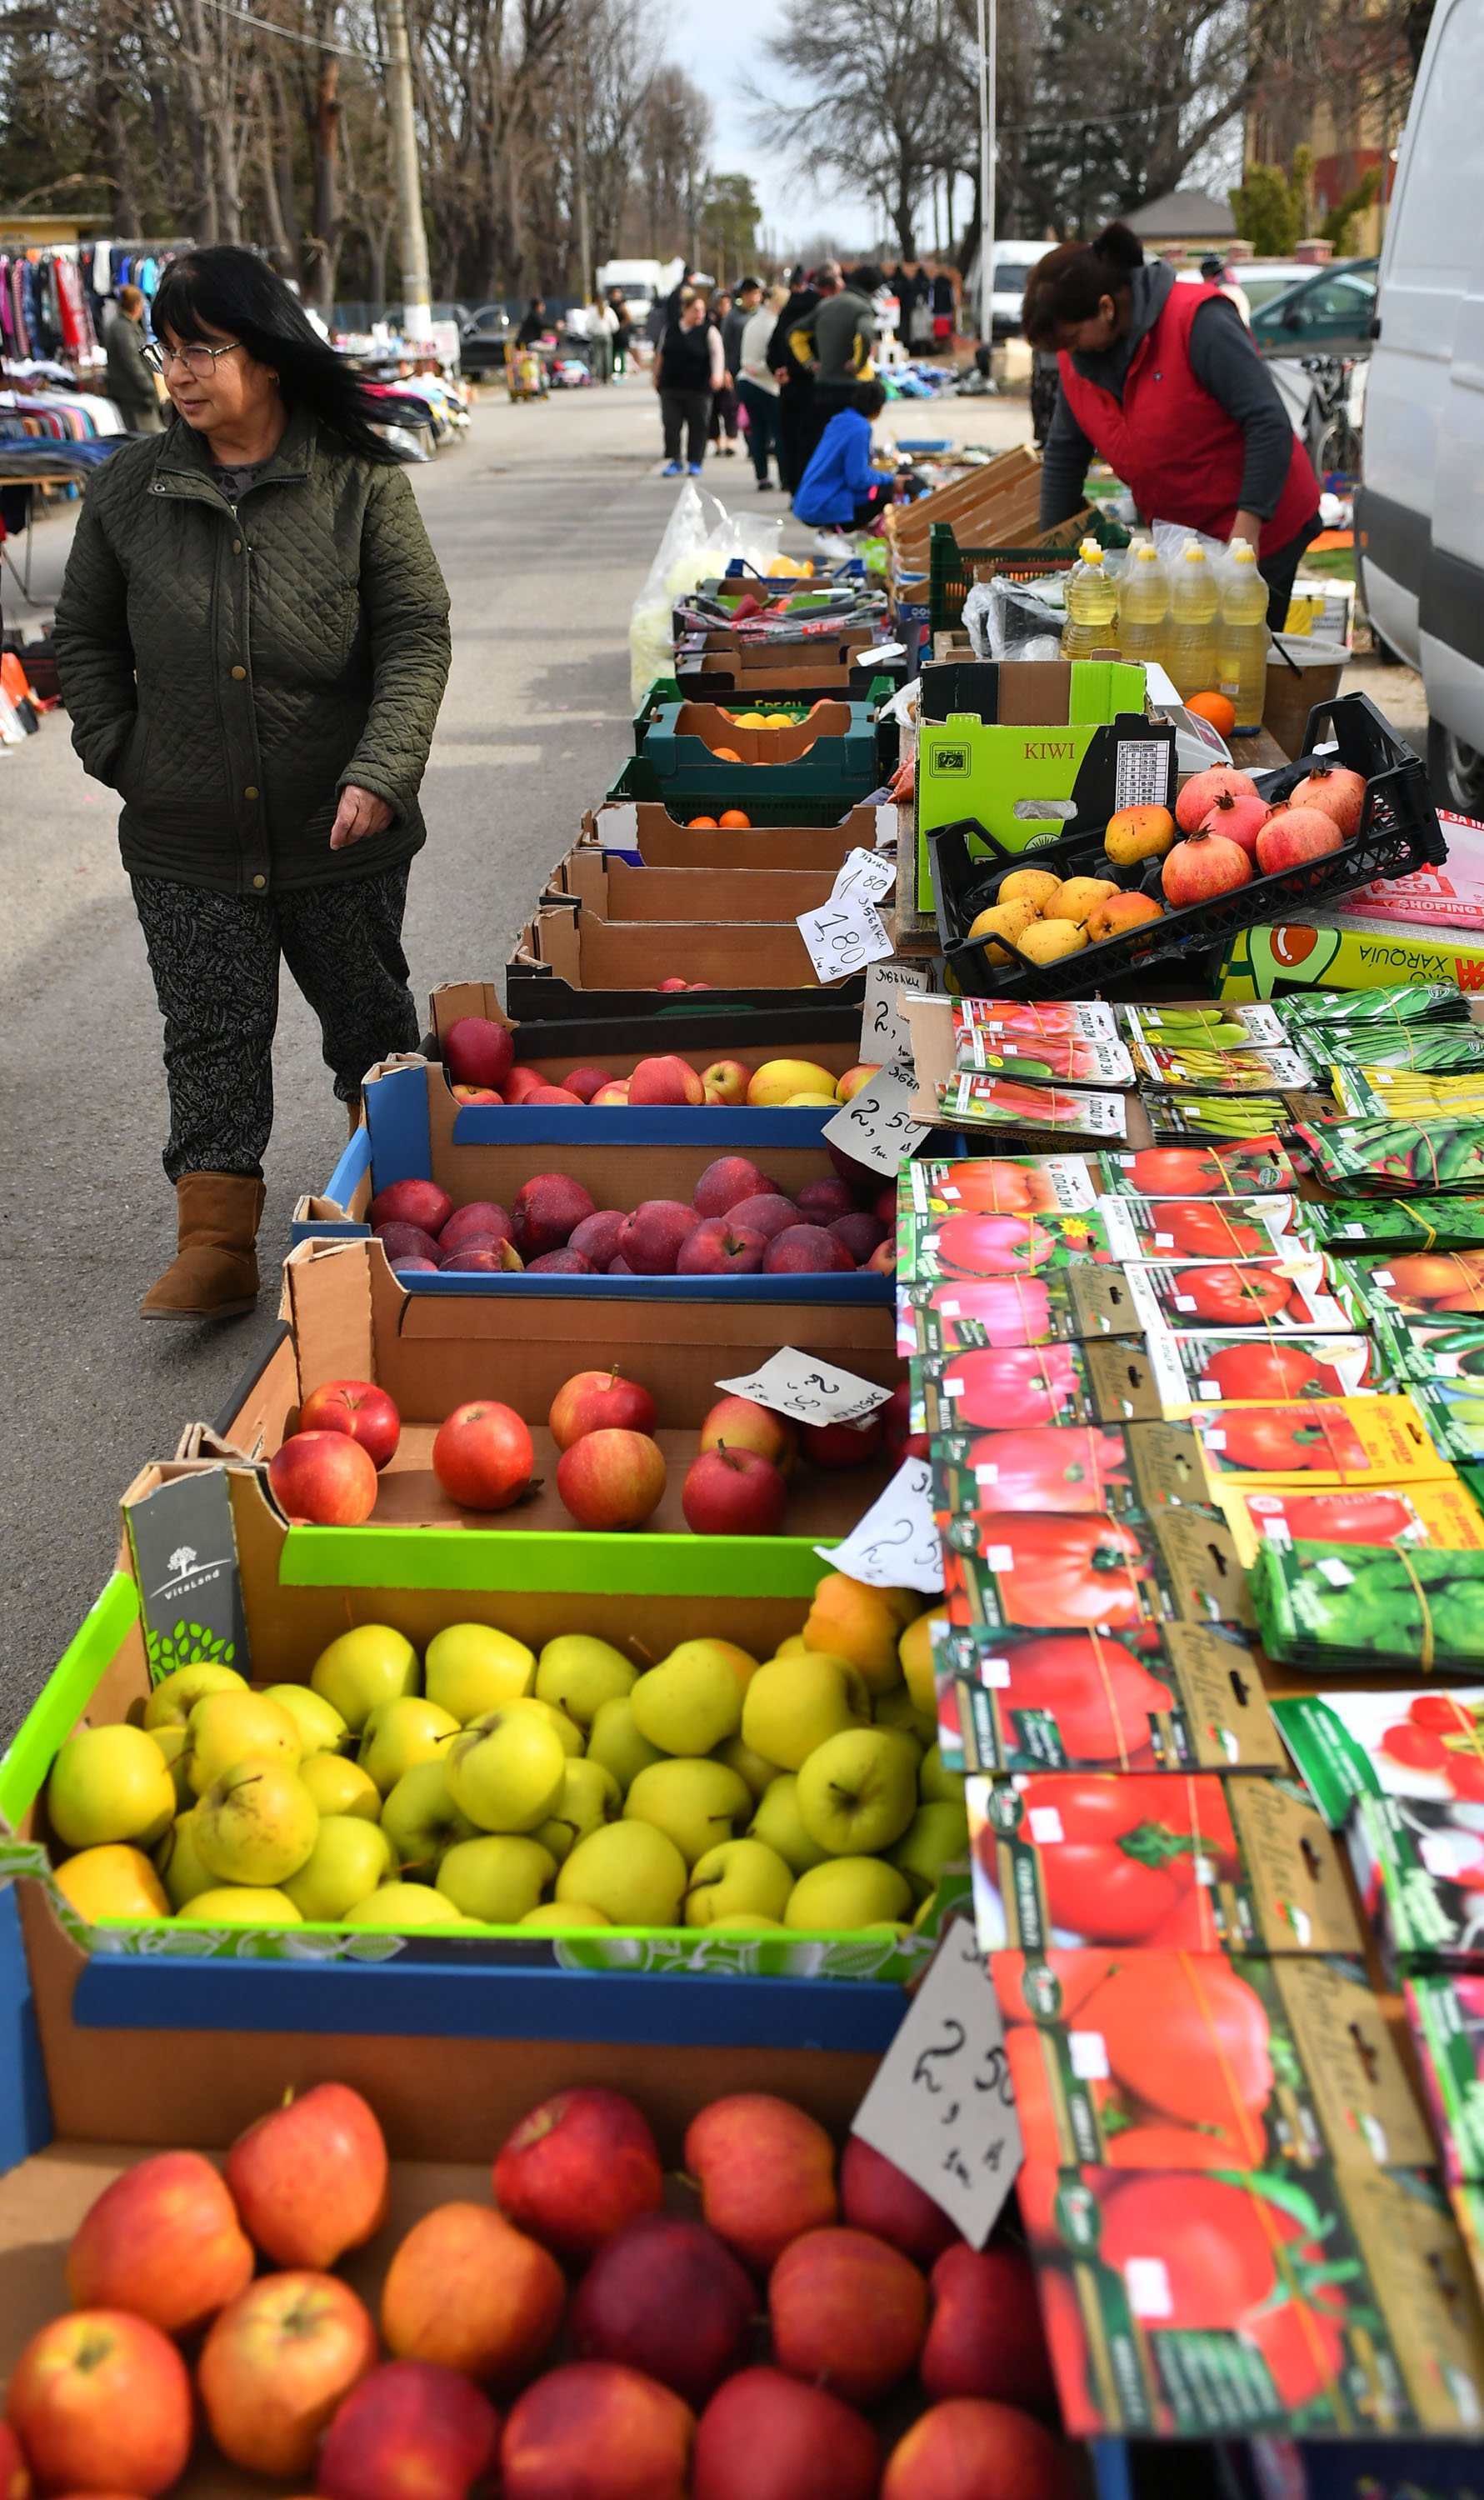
577, 2167
482, 1254
612, 1097
855, 1080
805, 1250
100, 2399
555, 1094
766, 2437
276, 2364
411, 2431
847, 2310
882, 1261
858, 1234
666, 2297
560, 1262
520, 1082
585, 1083
726, 1080
769, 1214
896, 1421
414, 1266
651, 1237
744, 1424
821, 1201
673, 982
667, 1079
481, 1220
611, 1480
617, 1266
725, 1183
482, 1456
597, 1235
358, 1407
547, 1211
324, 1478
970, 2450
594, 2431
718, 1247
477, 1094
15, 2481
411, 1202
409, 1241
164, 2241
477, 1052
467, 2289
310, 2179
844, 1445
767, 2173
600, 1402
884, 1204
874, 2195
733, 1493
861, 1177
986, 2337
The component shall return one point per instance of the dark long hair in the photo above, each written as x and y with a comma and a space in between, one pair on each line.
223, 287
1068, 285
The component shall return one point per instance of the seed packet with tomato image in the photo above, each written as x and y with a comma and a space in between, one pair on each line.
1215, 1170
1443, 1514
974, 1099
948, 1317
967, 1241
1148, 2059
1445, 2011
1124, 1469
1318, 1440
1044, 1571
1014, 1386
1326, 1607
1002, 1185
1419, 1869
1253, 1366
1161, 1697
1069, 1019
1181, 1229
1424, 1744
1274, 1297
1242, 2301
1196, 1864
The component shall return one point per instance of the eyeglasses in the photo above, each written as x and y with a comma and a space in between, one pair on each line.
199, 362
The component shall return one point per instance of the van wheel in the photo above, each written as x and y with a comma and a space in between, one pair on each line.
1455, 771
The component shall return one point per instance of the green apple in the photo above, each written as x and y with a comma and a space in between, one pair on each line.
257, 1824
936, 1836
174, 1744
350, 1858
590, 1795
630, 1871
399, 1734
936, 1785
469, 1668
743, 1923
244, 1905
420, 1820
227, 1727
858, 1791
846, 1894
369, 1665
792, 1704
397, 1907
322, 1729
180, 1865
896, 1710
743, 1879
778, 1821
111, 1783
339, 1787
563, 1728
695, 1802
495, 1881
616, 1743
577, 1673
560, 1918
174, 1698
690, 1702
740, 1757
505, 1772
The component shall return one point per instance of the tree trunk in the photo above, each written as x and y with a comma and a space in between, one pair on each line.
323, 251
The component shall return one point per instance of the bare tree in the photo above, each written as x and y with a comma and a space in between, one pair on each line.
876, 105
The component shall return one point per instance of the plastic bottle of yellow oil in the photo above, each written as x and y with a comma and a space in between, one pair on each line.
1091, 606
1194, 600
1242, 638
1144, 608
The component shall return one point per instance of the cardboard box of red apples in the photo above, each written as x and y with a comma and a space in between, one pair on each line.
570, 962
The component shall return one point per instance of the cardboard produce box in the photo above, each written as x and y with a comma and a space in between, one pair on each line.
648, 835
569, 963
1274, 962
836, 750
719, 666
540, 1050
619, 892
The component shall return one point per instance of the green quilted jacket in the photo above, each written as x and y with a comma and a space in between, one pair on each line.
228, 674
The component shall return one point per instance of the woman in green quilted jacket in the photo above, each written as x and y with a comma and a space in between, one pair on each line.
253, 643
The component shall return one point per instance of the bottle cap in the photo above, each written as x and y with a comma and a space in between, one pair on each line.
1192, 553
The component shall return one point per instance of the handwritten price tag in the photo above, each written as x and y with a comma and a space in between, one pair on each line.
866, 875
942, 2103
843, 938
885, 1034
897, 1544
810, 1391
875, 1125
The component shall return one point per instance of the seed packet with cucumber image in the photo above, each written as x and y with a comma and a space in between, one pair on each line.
1191, 1371
1328, 1609
980, 1100
1228, 1117
1408, 1743
1364, 1158
1357, 1225
1049, 1060
1089, 1572
1220, 1025
1224, 1169
1317, 1442
1455, 1413
1211, 1228
1161, 1697
948, 1317
1029, 1020
1424, 1345
1125, 1470
968, 1242
1273, 1296
1442, 1514
1400, 1002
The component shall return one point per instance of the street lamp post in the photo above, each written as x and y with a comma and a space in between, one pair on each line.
988, 157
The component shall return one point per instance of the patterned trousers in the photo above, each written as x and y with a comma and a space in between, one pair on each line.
214, 961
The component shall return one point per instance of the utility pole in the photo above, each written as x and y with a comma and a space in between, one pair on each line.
579, 150
416, 291
988, 158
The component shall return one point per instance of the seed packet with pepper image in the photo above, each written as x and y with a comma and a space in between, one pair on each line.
975, 1100
1188, 2062
1219, 1024
1161, 1698
1197, 1865
1191, 1371
1068, 1019
1314, 1441
1442, 1514
1455, 1412
1445, 2013
1221, 1118
1068, 1468
1357, 1225
1383, 1157
1399, 1002
1220, 1170
948, 1317
1086, 1570
1424, 1284
1389, 1605
967, 1241
1194, 1229
1420, 1870
1241, 1070
1334, 2305
1274, 1297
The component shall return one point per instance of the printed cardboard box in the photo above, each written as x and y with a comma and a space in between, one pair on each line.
619, 891
1274, 962
648, 834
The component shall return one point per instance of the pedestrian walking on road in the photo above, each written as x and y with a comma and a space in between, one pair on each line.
623, 330
756, 387
795, 434
724, 429
833, 340
130, 382
253, 637
687, 372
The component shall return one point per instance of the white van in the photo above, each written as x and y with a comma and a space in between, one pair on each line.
1420, 518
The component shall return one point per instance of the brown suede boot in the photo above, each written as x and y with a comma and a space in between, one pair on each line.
213, 1275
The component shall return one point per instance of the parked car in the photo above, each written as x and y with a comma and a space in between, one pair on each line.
1261, 281
1329, 313
482, 340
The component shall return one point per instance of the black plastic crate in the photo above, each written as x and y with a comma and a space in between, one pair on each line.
1399, 834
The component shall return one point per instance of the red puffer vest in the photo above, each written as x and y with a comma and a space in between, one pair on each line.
1174, 447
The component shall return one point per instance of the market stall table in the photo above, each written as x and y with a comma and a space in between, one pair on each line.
33, 483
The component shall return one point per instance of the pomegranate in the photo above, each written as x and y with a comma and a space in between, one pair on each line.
1203, 866
1335, 791
1293, 834
1203, 790
1239, 820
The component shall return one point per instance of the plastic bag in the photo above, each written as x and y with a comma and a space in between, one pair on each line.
1006, 620
700, 539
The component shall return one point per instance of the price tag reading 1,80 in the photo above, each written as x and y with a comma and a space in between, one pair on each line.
843, 938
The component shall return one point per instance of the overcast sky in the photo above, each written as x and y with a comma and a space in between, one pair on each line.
718, 43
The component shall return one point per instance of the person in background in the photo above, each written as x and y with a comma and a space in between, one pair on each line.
835, 341
795, 435
130, 381
535, 325
688, 371
622, 330
669, 311
253, 640
756, 387
1215, 273
1164, 382
748, 298
839, 490
724, 426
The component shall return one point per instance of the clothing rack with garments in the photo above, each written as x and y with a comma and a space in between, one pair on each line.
44, 306
114, 261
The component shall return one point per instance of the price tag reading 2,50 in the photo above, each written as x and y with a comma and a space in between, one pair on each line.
877, 1126
942, 2103
843, 936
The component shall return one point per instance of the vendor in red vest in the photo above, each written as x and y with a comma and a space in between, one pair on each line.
1162, 380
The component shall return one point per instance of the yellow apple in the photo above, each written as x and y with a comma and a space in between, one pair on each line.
846, 1894
113, 1882
339, 1787
632, 1872
257, 1824
244, 1905
369, 1665
110, 1783
174, 1698
779, 1079
399, 1734
470, 1668
322, 1729
497, 1878
576, 1674
225, 1727
742, 1877
695, 1803
350, 1858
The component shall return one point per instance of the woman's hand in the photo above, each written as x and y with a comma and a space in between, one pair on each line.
1248, 526
360, 813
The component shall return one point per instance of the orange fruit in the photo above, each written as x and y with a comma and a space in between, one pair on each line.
726, 755
736, 820
1215, 708
692, 822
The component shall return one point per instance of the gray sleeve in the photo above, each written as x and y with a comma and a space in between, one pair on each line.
1225, 362
1064, 466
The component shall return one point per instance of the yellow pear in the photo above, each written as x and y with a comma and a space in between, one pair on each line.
1050, 939
1033, 885
1079, 896
1008, 920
